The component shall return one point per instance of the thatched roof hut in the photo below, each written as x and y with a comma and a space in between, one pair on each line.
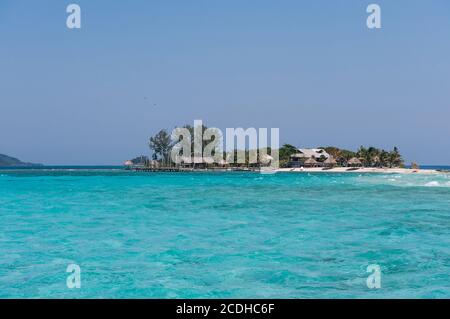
265, 158
414, 165
330, 161
153, 163
311, 162
223, 162
354, 161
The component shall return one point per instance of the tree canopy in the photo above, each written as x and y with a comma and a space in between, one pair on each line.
161, 145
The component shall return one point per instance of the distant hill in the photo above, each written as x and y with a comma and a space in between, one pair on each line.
11, 161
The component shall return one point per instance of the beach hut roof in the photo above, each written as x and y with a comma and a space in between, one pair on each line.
223, 162
311, 160
330, 160
354, 160
310, 152
154, 163
266, 157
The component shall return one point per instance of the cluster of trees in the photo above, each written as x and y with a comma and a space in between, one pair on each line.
370, 156
162, 144
285, 153
140, 160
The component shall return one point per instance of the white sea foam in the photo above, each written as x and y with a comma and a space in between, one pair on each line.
432, 184
411, 180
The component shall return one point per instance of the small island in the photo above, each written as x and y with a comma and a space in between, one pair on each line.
8, 161
290, 159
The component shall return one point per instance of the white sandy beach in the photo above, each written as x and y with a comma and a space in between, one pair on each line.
360, 170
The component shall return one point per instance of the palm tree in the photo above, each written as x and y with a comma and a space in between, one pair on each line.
395, 159
161, 144
384, 158
285, 153
373, 156
363, 155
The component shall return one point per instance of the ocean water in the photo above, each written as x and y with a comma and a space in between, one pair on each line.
223, 235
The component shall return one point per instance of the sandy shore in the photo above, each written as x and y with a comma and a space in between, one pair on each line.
360, 170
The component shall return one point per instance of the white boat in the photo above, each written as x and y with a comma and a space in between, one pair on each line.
267, 170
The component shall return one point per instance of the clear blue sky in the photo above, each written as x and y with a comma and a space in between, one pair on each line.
311, 68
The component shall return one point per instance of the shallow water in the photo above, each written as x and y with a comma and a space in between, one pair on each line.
201, 235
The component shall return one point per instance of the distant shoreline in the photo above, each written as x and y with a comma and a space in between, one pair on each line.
361, 170
61, 167
427, 170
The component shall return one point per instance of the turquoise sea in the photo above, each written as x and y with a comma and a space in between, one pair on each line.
223, 235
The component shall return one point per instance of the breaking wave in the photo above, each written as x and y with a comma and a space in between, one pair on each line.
438, 180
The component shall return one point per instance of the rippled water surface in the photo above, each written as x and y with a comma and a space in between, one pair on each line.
201, 235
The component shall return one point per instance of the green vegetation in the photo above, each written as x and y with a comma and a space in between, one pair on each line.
338, 153
212, 139
140, 160
161, 144
370, 157
285, 152
8, 161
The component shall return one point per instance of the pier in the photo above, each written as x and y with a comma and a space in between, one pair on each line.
190, 169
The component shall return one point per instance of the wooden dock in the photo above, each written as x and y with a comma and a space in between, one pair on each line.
186, 169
